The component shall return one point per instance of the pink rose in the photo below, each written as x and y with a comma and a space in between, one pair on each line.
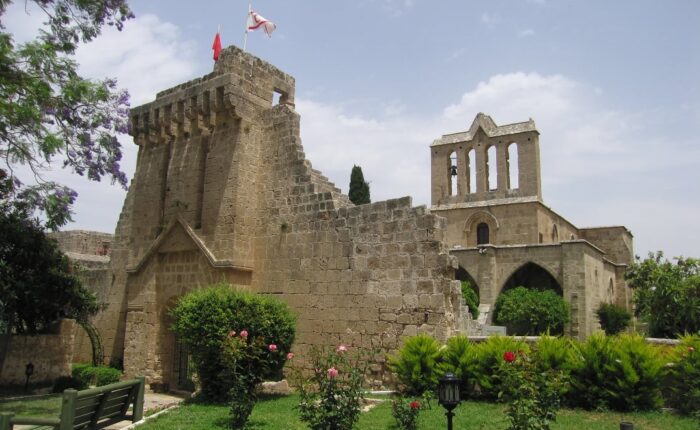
244, 334
231, 333
332, 372
272, 347
341, 348
290, 355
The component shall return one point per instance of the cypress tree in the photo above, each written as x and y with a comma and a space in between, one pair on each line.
359, 189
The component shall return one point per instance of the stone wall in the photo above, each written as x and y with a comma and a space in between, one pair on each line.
51, 355
83, 241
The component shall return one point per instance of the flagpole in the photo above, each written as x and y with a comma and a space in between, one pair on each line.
245, 39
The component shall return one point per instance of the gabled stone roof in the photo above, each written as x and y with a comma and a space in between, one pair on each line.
489, 127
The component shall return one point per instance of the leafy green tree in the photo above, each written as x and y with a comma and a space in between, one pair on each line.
359, 189
470, 298
49, 113
613, 319
666, 294
37, 286
526, 311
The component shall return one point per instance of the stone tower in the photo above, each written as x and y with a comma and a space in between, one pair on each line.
223, 193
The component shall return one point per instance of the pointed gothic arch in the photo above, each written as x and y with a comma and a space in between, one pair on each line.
462, 275
532, 275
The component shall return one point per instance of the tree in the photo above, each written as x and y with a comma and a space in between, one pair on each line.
526, 311
359, 189
666, 295
37, 284
49, 112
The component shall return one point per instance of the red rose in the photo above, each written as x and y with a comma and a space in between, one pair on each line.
509, 356
414, 405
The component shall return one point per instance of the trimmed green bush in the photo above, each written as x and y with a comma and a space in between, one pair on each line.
85, 375
527, 311
212, 321
471, 299
613, 318
106, 375
616, 372
415, 364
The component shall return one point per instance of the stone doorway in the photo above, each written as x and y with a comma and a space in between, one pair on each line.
182, 369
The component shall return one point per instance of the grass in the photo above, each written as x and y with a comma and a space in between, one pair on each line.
41, 407
279, 413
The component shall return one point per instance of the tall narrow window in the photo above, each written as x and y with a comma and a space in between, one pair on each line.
513, 172
491, 168
482, 233
555, 234
471, 178
453, 173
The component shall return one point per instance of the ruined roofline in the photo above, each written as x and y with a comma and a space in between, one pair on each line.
608, 227
489, 127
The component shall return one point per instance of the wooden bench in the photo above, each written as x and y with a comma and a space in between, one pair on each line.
94, 408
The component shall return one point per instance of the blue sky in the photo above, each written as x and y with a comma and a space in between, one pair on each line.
612, 86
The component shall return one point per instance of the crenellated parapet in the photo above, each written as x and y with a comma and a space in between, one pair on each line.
240, 87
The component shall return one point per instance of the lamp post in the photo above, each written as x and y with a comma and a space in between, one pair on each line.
28, 372
448, 395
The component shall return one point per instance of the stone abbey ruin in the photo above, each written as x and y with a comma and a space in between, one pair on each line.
223, 193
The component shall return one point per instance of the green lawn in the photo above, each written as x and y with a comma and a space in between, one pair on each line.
279, 413
44, 407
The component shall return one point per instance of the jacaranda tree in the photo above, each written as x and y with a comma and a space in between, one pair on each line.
49, 113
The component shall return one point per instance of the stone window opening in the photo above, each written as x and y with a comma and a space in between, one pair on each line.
491, 169
279, 97
555, 234
512, 166
482, 233
471, 171
453, 173
611, 290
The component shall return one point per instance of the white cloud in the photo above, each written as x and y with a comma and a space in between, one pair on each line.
528, 32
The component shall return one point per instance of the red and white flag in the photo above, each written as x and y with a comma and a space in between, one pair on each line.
255, 21
216, 46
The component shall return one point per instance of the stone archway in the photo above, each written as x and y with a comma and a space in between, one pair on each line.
462, 275
532, 275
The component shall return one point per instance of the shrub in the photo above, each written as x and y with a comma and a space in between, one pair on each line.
106, 375
459, 358
65, 382
613, 319
204, 319
405, 411
533, 396
526, 311
486, 371
86, 375
331, 398
237, 340
621, 373
415, 364
683, 376
471, 299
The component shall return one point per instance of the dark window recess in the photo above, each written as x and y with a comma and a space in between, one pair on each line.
482, 233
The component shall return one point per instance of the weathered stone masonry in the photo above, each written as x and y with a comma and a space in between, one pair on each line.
223, 193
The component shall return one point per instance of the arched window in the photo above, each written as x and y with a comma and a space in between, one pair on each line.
555, 234
471, 170
512, 163
453, 173
491, 169
482, 233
